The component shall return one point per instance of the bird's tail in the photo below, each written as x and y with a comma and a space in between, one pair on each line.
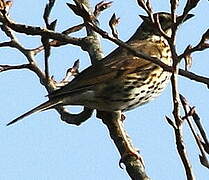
47, 105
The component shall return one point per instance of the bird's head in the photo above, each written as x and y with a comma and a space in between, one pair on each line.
165, 20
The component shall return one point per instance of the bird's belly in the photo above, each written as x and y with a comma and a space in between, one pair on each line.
147, 92
127, 96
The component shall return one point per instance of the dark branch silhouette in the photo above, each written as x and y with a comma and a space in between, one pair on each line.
91, 44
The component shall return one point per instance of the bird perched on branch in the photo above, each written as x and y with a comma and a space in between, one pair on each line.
120, 81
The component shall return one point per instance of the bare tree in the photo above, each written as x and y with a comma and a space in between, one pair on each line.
91, 44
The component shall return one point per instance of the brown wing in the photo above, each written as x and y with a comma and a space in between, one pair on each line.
116, 64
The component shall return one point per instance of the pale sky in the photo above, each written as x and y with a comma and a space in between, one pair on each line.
42, 147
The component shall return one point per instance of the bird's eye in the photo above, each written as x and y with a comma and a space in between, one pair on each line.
162, 20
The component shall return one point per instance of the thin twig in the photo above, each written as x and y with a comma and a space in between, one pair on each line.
202, 45
203, 157
14, 67
45, 39
56, 43
113, 22
33, 30
101, 6
196, 119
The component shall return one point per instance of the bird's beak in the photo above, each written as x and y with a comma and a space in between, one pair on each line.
182, 19
144, 18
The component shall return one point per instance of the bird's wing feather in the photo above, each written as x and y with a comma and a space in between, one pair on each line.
101, 73
120, 60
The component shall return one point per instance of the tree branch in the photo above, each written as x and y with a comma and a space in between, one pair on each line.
112, 120
134, 165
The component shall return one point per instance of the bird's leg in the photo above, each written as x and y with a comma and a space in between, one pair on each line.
119, 135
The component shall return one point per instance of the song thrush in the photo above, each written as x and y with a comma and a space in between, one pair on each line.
120, 81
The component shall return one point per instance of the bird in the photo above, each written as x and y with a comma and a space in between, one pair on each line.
120, 81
